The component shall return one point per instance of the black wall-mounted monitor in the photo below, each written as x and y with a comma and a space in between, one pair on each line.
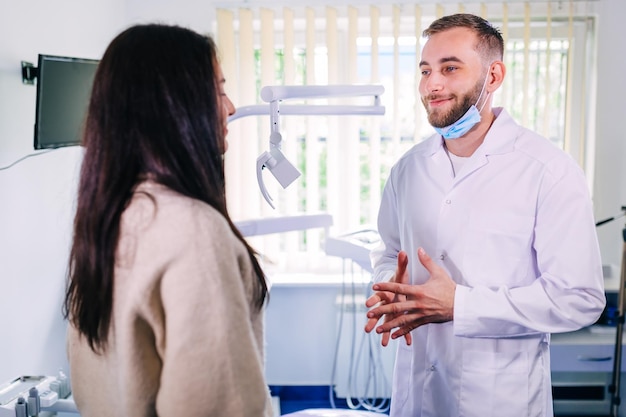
63, 91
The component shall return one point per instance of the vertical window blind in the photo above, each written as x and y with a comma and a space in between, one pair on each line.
345, 160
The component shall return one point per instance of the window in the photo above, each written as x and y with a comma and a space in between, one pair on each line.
549, 87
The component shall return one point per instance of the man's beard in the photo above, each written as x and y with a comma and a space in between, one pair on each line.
436, 119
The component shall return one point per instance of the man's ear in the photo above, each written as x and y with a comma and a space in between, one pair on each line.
497, 71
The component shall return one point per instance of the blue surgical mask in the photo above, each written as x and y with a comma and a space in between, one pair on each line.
465, 122
461, 126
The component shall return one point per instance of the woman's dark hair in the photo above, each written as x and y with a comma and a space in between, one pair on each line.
154, 112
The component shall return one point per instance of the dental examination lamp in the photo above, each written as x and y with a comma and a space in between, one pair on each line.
274, 160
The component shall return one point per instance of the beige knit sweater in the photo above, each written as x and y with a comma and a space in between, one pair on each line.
185, 339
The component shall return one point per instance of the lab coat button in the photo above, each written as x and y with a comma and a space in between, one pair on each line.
442, 257
448, 202
432, 368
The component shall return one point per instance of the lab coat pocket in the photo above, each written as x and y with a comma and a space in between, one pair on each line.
494, 384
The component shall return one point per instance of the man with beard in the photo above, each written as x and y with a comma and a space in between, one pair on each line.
488, 244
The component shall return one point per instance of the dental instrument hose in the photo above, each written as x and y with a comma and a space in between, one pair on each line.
368, 343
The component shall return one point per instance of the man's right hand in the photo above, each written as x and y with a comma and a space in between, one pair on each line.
383, 297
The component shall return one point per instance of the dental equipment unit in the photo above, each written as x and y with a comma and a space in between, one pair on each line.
36, 396
274, 160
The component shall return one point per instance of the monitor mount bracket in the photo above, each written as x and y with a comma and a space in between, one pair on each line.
29, 73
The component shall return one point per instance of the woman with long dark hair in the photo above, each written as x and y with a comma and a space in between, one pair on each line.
165, 298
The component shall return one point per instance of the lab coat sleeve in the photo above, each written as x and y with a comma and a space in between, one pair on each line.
568, 292
385, 256
212, 364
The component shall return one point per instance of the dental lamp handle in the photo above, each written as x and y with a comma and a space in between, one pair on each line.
261, 161
279, 167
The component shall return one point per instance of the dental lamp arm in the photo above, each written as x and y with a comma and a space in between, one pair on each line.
274, 160
308, 110
283, 92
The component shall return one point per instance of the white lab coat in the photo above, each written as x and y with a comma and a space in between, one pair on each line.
515, 231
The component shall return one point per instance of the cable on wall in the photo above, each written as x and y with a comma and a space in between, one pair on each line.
12, 164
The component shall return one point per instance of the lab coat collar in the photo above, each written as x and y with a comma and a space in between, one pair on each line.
500, 139
497, 141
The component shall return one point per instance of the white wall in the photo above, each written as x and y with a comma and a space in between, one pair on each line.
610, 176
36, 196
194, 14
